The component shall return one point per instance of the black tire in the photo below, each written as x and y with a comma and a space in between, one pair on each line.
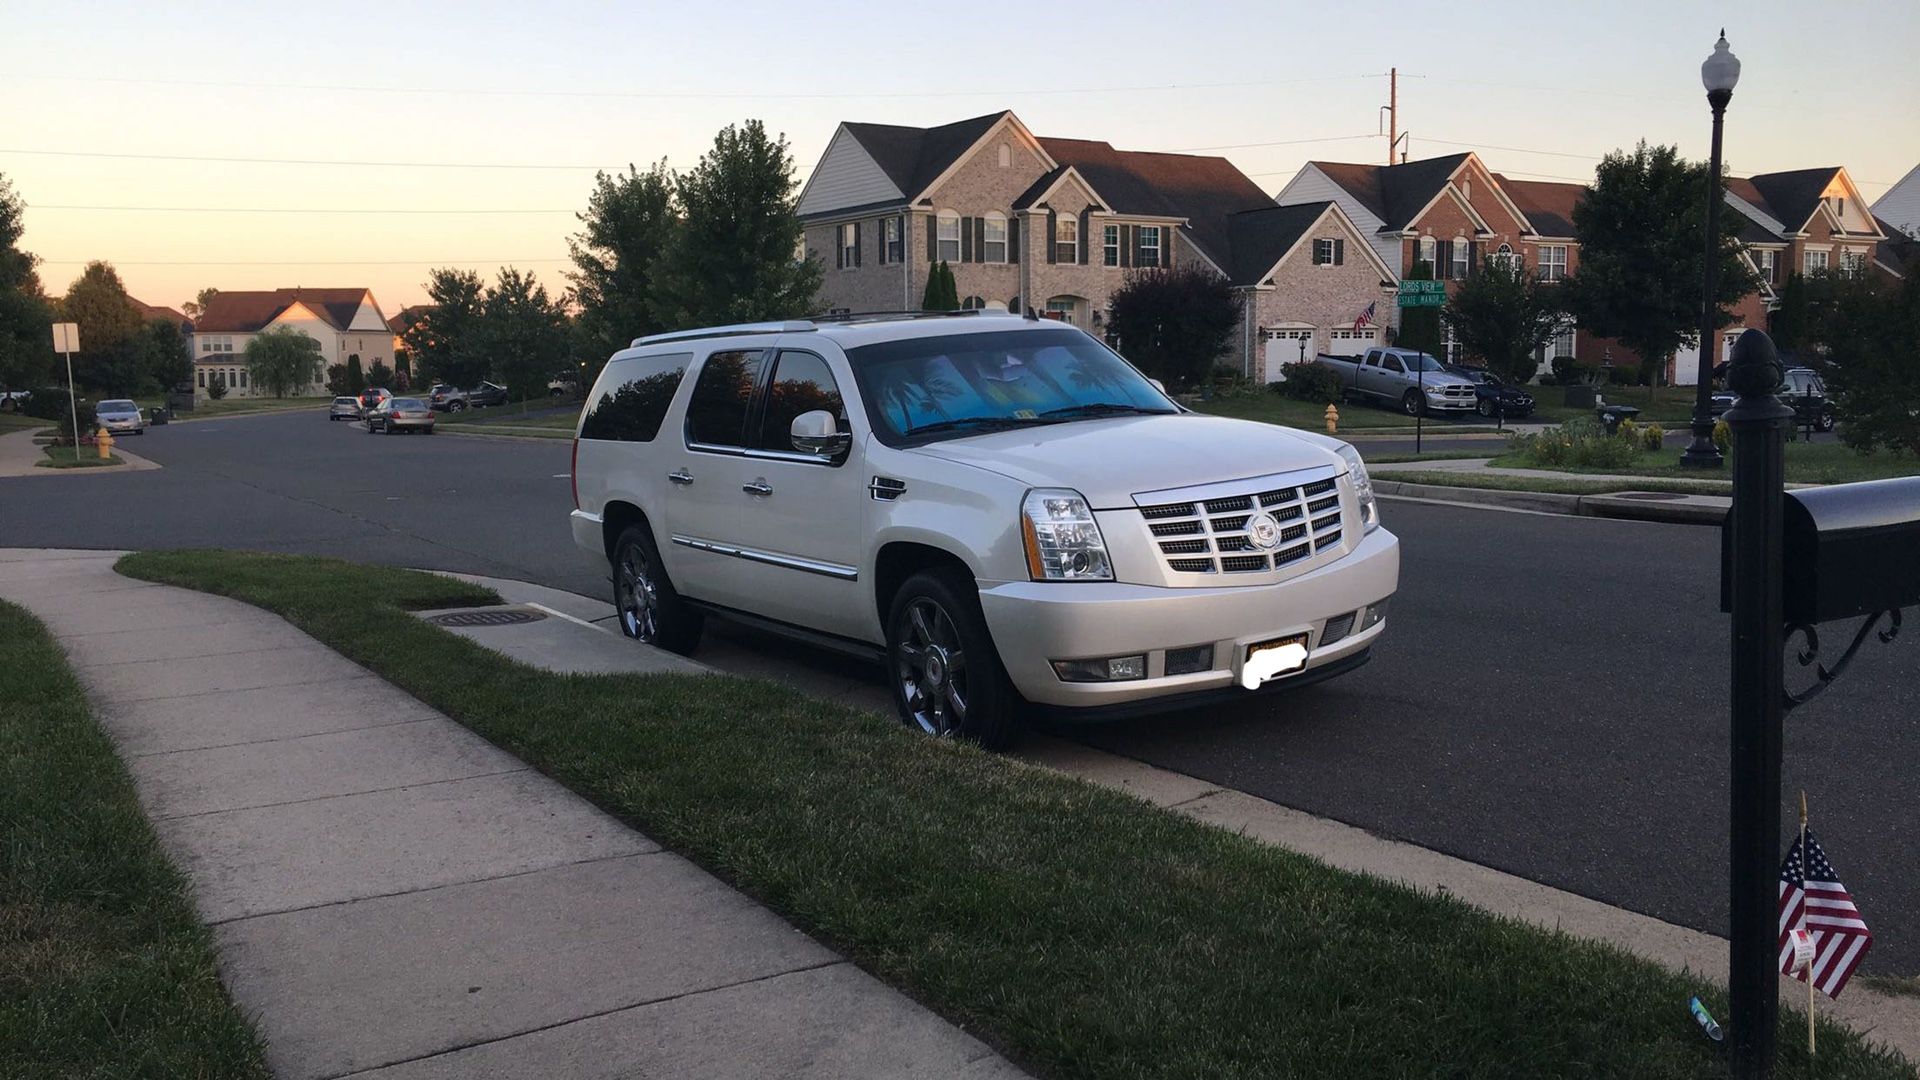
1825, 421
1484, 407
948, 646
665, 620
455, 406
387, 428
369, 427
1411, 403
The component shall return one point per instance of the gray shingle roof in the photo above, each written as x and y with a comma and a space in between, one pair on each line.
913, 157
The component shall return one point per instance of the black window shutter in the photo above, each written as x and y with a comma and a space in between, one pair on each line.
839, 249
856, 243
1013, 239
1086, 226
1316, 253
1446, 260
1053, 230
966, 240
1126, 245
933, 238
1473, 258
979, 239
1340, 252
1167, 233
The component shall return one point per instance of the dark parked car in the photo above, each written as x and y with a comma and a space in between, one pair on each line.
371, 398
487, 394
1803, 389
1494, 396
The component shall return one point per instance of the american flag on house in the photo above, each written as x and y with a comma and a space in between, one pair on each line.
1365, 318
1812, 898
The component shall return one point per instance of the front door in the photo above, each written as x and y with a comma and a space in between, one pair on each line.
708, 513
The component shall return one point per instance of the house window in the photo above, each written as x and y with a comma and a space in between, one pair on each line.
1430, 254
994, 247
1816, 261
1328, 253
1563, 342
849, 246
243, 378
1149, 246
1769, 262
200, 378
948, 236
1553, 262
1006, 155
1504, 256
1853, 262
1110, 245
893, 241
1460, 249
1066, 239
1061, 308
973, 303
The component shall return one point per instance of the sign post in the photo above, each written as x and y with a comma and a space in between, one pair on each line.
1415, 294
66, 339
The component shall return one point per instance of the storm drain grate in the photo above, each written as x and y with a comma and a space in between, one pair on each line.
510, 617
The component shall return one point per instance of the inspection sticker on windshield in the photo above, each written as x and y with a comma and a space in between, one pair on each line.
1025, 414
1268, 659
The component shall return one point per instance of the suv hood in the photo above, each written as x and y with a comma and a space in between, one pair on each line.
1108, 460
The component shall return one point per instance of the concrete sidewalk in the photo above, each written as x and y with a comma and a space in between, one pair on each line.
393, 896
21, 456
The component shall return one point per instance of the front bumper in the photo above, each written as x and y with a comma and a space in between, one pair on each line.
1035, 623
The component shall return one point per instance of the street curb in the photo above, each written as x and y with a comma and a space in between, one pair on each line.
503, 435
1662, 507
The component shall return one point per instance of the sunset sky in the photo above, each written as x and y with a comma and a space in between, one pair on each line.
368, 125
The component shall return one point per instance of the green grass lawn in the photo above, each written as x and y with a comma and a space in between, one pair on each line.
510, 420
238, 406
1807, 463
1669, 405
1271, 408
10, 421
1550, 482
80, 457
104, 969
1086, 933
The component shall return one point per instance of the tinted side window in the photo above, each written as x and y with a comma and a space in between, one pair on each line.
717, 412
634, 395
802, 382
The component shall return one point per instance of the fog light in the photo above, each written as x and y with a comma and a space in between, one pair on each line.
1376, 613
1189, 660
1105, 669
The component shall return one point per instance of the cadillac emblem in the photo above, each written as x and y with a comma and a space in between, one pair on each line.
1263, 532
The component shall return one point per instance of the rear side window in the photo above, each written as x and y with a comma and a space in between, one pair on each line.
634, 398
802, 382
717, 412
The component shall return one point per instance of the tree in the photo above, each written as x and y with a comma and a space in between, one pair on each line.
354, 378
1642, 232
1173, 324
197, 306
380, 375
1864, 333
109, 360
732, 259
630, 223
165, 355
1504, 315
445, 341
337, 384
282, 360
1420, 326
26, 342
216, 386
525, 333
943, 293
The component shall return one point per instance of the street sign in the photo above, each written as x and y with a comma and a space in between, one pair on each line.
66, 337
1408, 300
1427, 287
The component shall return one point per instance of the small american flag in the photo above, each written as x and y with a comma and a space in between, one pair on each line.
1812, 898
1365, 318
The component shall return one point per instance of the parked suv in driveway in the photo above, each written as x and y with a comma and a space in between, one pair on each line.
1000, 509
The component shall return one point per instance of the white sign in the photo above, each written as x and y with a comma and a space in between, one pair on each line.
66, 337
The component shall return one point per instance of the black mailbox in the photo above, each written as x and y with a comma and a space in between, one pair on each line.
1851, 550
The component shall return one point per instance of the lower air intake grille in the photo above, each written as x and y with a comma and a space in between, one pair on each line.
1338, 627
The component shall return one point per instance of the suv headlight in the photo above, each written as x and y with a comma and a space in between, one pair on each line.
1362, 488
1063, 541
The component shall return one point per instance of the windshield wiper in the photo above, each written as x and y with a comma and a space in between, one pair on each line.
977, 421
1104, 408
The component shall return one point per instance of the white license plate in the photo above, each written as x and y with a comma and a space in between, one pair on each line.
1272, 659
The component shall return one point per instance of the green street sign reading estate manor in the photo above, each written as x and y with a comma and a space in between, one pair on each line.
1423, 294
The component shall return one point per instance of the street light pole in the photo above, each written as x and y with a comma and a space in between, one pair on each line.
1718, 74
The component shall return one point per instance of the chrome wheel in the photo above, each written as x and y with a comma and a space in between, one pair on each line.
638, 595
931, 667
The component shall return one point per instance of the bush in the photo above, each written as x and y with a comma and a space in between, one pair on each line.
1309, 382
1581, 443
1722, 436
1565, 371
1653, 437
46, 403
216, 388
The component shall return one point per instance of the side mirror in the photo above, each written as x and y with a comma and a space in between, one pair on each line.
816, 433
1158, 385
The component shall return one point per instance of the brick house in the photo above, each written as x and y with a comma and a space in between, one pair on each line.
1055, 225
346, 322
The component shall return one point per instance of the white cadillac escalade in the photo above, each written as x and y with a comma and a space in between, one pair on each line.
1000, 509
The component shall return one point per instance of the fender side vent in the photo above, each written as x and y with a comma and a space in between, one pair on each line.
886, 488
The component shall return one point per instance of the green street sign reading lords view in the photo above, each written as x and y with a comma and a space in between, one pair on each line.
1423, 294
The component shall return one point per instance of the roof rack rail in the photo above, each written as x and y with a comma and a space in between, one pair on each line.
789, 326
885, 316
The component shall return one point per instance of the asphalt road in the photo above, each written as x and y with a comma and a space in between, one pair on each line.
1550, 697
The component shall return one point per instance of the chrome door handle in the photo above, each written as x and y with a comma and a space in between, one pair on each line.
681, 477
758, 487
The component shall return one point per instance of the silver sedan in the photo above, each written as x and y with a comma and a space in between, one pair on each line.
400, 414
119, 417
344, 408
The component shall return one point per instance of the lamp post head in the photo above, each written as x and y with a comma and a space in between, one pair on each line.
1721, 70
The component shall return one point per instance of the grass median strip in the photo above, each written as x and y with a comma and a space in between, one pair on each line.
1551, 483
104, 969
67, 457
1082, 931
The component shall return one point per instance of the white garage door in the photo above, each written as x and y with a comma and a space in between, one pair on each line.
1286, 346
1351, 342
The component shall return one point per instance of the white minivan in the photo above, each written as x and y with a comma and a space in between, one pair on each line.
1000, 509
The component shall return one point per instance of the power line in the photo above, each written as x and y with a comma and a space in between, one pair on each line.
285, 210
308, 262
314, 161
662, 95
1282, 142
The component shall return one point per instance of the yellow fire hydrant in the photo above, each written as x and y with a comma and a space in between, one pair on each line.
104, 440
1333, 418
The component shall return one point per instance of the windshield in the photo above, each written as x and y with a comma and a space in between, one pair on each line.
963, 384
407, 403
1421, 362
114, 406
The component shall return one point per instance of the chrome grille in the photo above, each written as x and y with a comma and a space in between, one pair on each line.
1208, 536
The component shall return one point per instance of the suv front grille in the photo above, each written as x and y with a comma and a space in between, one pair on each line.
1210, 536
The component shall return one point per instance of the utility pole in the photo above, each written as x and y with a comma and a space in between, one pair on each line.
1393, 111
